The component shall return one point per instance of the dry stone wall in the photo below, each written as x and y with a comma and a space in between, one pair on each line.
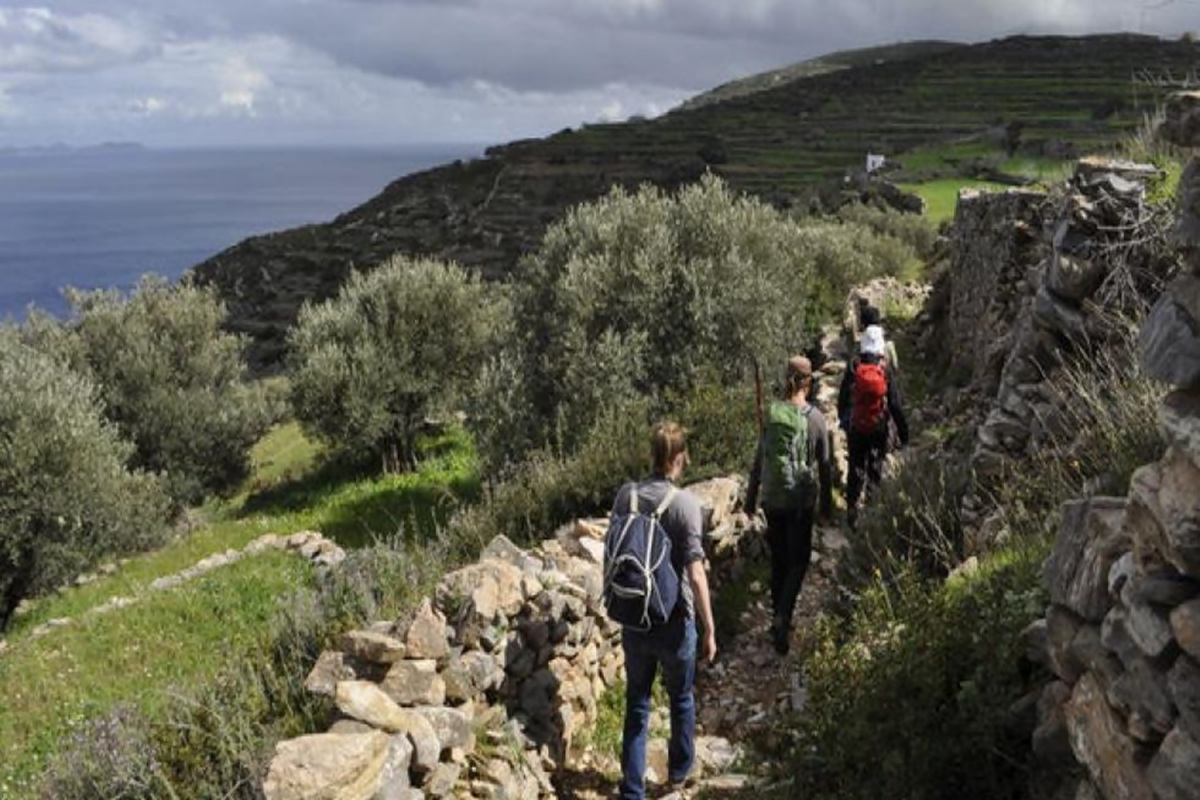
484, 692
1123, 632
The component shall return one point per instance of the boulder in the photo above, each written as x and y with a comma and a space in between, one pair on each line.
452, 726
1142, 690
718, 498
484, 592
1170, 338
333, 666
1165, 514
471, 675
502, 549
1055, 315
1101, 744
1181, 119
427, 634
1074, 279
572, 536
1179, 418
1185, 625
1148, 628
442, 781
1114, 634
394, 783
415, 683
714, 754
367, 702
1183, 683
1186, 234
1062, 625
1162, 587
1089, 541
328, 766
1175, 771
372, 646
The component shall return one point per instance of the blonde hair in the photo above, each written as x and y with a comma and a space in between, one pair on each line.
667, 440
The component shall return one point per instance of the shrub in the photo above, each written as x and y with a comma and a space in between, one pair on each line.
638, 293
66, 499
913, 520
396, 345
107, 757
922, 677
915, 231
547, 489
172, 382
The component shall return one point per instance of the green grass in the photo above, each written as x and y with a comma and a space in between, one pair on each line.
133, 656
177, 639
941, 196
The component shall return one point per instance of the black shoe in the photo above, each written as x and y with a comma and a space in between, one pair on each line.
780, 637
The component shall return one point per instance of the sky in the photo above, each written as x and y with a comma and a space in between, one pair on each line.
188, 73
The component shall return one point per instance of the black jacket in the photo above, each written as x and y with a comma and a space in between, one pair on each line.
895, 408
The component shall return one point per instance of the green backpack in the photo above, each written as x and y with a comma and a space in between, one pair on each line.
788, 478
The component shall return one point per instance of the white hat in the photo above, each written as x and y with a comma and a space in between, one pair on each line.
872, 340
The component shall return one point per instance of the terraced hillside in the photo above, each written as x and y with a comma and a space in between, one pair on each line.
1033, 93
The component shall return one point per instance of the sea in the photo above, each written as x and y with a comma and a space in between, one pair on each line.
100, 218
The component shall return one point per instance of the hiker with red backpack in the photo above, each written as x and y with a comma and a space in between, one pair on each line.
868, 404
656, 587
792, 477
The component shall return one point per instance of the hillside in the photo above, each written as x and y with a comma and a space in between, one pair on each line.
1064, 94
830, 62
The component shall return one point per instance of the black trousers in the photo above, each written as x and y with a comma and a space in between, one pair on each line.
790, 537
867, 452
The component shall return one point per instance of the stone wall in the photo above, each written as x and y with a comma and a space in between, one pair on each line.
1123, 632
995, 245
484, 692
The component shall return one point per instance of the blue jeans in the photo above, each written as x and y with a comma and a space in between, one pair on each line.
674, 647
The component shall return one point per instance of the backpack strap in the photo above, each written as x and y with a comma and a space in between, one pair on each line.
633, 498
666, 503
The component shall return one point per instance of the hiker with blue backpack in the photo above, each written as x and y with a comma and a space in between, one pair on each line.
656, 586
869, 410
792, 478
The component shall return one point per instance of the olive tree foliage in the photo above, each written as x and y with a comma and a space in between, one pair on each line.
66, 497
639, 293
398, 344
172, 381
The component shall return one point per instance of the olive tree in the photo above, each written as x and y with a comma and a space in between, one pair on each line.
641, 293
66, 497
397, 344
172, 381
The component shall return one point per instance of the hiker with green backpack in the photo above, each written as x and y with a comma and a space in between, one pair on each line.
792, 478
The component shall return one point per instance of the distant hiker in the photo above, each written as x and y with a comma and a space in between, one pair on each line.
869, 315
791, 476
868, 404
654, 520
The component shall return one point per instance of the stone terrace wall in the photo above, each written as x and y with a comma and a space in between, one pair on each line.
1123, 633
483, 693
995, 244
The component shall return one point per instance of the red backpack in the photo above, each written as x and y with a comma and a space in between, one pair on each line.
868, 397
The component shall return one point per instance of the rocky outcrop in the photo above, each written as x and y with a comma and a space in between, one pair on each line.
1123, 635
485, 690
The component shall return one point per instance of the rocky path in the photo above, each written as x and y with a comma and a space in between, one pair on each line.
746, 691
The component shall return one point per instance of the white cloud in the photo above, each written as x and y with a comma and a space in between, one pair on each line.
218, 71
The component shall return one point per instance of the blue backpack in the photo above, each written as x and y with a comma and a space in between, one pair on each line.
641, 584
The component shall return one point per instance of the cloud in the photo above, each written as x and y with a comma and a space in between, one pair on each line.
34, 40
470, 70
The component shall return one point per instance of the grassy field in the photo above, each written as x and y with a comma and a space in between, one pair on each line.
141, 655
941, 196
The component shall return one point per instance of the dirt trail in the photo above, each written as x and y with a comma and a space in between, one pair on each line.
744, 692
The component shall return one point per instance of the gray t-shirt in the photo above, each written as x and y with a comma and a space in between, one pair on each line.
683, 521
